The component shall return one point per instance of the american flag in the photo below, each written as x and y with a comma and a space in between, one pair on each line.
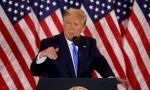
121, 28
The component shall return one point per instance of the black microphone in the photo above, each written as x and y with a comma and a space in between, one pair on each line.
76, 40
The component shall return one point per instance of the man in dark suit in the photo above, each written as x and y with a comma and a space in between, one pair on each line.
56, 59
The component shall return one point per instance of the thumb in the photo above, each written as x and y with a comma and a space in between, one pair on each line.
57, 49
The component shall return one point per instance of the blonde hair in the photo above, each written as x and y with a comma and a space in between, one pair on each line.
78, 12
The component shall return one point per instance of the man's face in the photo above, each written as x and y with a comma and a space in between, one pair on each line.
73, 26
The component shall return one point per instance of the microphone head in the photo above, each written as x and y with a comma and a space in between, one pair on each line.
76, 40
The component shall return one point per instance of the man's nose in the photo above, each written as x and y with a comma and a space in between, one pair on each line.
71, 27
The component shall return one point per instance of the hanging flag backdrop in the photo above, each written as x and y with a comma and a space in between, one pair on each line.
121, 28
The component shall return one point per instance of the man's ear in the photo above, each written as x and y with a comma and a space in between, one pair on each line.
84, 26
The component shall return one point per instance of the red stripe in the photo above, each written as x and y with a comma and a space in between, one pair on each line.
45, 29
94, 75
130, 74
3, 85
87, 32
17, 54
129, 70
57, 22
141, 32
115, 31
122, 29
109, 50
138, 56
24, 40
33, 30
10, 70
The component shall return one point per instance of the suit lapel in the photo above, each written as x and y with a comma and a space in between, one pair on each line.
82, 55
66, 55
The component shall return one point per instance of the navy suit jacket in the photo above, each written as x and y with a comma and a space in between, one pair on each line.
89, 59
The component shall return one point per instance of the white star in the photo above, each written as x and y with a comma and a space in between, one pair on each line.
23, 0
131, 1
114, 1
28, 8
102, 11
125, 5
48, 1
71, 2
118, 17
41, 6
145, 6
92, 0
65, 7
54, 3
66, 0
10, 2
130, 7
4, 1
118, 10
109, 7
146, 0
124, 12
97, 2
91, 7
103, 4
35, 4
77, 4
41, 13
9, 9
95, 16
16, 4
22, 6
149, 15
119, 3
22, 13
109, 0
27, 1
15, 11
96, 9
15, 18
47, 8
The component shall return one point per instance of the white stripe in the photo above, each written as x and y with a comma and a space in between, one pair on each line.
38, 27
113, 42
139, 44
15, 63
15, 38
29, 35
136, 70
142, 19
58, 13
51, 26
114, 18
9, 82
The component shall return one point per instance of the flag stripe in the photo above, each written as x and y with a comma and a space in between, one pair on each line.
10, 70
130, 73
32, 28
109, 49
87, 32
45, 29
138, 56
141, 33
3, 85
17, 54
117, 37
23, 38
52, 27
57, 22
